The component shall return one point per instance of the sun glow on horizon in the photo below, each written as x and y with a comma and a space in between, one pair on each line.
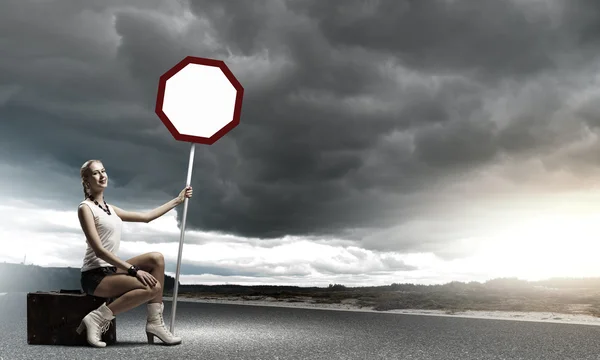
544, 246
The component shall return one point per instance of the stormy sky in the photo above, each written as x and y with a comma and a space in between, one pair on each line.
379, 142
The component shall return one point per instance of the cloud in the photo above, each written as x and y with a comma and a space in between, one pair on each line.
56, 240
363, 122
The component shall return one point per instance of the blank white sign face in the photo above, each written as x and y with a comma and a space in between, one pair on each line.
199, 100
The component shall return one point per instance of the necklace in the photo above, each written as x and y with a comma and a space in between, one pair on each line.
107, 210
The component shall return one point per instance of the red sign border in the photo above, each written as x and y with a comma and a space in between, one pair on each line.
161, 94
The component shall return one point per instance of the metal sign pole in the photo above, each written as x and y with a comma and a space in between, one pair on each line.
185, 207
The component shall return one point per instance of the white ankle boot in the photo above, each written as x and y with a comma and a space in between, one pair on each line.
96, 323
156, 326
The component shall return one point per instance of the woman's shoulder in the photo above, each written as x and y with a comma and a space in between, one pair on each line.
85, 202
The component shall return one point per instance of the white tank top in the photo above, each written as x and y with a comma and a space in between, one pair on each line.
109, 231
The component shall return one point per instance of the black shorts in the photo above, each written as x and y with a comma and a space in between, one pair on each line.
90, 279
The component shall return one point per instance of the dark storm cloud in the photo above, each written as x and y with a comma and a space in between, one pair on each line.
373, 102
72, 101
489, 36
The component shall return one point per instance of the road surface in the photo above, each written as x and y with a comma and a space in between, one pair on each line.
227, 331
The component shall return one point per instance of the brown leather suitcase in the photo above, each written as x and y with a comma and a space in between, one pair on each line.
53, 317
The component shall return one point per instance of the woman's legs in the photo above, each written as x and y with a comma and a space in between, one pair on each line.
128, 290
130, 293
154, 263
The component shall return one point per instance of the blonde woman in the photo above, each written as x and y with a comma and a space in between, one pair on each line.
132, 282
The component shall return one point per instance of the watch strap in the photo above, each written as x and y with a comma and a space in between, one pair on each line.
133, 270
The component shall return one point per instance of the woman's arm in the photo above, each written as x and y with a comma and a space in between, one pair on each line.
129, 216
146, 217
156, 213
161, 210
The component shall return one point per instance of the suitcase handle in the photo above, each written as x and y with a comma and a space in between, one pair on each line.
63, 291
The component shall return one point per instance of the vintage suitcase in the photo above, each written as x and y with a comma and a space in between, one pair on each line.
53, 317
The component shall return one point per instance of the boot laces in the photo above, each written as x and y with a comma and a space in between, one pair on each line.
104, 327
161, 322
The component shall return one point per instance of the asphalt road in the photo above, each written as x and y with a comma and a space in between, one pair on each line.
216, 331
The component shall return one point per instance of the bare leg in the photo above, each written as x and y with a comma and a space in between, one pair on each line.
128, 290
158, 271
134, 293
154, 263
133, 299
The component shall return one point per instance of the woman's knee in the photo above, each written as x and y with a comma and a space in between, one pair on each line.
154, 290
157, 258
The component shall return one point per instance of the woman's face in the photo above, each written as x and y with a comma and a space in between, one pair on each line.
98, 178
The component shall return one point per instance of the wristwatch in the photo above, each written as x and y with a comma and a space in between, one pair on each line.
133, 270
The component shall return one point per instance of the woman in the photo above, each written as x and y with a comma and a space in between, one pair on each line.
133, 282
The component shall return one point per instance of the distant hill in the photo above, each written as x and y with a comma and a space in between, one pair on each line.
32, 278
496, 286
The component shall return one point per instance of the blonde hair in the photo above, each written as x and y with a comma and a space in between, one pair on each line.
85, 172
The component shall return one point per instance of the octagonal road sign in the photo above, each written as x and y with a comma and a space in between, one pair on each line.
199, 101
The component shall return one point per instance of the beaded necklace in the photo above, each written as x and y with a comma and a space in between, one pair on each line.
107, 210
